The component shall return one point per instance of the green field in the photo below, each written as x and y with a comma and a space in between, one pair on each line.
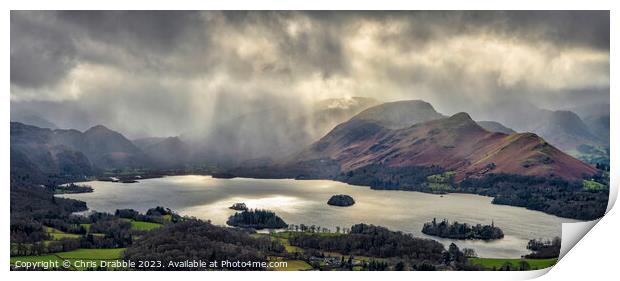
292, 265
287, 234
93, 254
57, 234
283, 239
85, 226
287, 246
143, 225
46, 258
441, 182
592, 185
497, 263
76, 257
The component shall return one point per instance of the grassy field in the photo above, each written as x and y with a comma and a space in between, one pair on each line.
288, 247
592, 185
283, 239
93, 254
292, 265
143, 225
441, 182
46, 258
497, 263
57, 234
287, 234
76, 257
85, 226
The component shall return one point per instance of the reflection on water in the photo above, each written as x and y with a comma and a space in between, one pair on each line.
306, 202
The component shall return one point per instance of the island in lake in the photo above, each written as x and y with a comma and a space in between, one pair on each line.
257, 219
341, 200
458, 230
72, 188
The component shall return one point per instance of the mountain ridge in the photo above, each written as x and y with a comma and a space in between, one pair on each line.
456, 143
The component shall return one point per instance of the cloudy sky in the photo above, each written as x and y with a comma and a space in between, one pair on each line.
166, 73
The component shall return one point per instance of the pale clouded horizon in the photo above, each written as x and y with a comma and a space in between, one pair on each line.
169, 72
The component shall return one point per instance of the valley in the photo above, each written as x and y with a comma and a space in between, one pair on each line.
389, 153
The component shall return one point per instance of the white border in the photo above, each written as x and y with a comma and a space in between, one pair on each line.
593, 258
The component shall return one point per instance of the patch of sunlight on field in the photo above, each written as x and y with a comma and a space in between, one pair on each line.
58, 234
93, 254
490, 263
143, 225
292, 265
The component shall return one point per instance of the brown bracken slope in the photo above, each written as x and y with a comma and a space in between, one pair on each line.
455, 143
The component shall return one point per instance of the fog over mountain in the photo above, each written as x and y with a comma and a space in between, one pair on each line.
177, 73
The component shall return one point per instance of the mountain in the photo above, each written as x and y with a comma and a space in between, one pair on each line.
565, 130
165, 152
597, 117
35, 156
599, 126
34, 120
456, 143
105, 148
562, 128
72, 152
141, 143
328, 113
400, 114
496, 127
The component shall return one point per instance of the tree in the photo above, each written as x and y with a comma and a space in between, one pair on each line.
507, 266
523, 265
469, 253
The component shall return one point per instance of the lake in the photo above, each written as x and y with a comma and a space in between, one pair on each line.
305, 201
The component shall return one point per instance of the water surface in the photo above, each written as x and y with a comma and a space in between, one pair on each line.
305, 202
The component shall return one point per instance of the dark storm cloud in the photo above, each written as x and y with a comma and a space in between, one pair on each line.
45, 45
579, 28
154, 30
40, 53
165, 69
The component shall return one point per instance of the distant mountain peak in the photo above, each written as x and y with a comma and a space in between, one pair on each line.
344, 103
400, 114
461, 117
34, 120
97, 128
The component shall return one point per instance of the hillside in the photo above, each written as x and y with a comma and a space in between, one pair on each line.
562, 128
496, 127
165, 152
456, 143
400, 114
40, 151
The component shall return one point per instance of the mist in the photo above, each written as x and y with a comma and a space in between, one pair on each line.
169, 73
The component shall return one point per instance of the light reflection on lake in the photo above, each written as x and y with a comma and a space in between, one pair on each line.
305, 202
